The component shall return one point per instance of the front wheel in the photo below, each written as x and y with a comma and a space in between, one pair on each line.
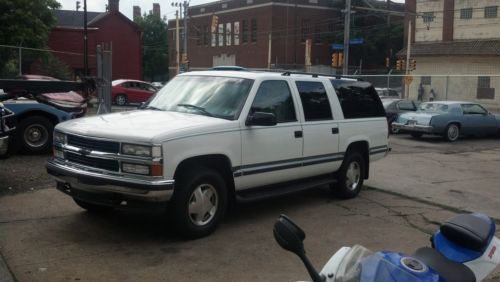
199, 202
34, 134
350, 177
452, 132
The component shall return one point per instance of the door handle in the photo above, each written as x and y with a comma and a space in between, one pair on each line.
298, 134
335, 130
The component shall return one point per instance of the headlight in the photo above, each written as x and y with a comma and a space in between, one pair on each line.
59, 137
141, 150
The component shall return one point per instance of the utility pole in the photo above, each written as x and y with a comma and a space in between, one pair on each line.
269, 53
347, 26
177, 51
408, 46
184, 55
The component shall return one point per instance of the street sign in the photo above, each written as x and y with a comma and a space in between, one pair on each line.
352, 41
338, 46
408, 79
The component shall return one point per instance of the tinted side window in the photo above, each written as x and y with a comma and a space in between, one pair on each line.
274, 97
407, 106
358, 99
314, 100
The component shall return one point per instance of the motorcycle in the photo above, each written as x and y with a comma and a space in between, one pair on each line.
463, 249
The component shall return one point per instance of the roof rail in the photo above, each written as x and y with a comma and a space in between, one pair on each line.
337, 76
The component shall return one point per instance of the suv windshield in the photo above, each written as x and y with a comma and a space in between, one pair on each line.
215, 96
434, 108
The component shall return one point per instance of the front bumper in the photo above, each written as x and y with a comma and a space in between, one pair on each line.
109, 190
416, 127
4, 145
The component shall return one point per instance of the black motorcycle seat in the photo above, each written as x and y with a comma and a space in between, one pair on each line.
469, 231
447, 269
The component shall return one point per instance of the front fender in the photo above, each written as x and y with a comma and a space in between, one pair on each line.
22, 108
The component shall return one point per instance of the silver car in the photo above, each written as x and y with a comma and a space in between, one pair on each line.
449, 119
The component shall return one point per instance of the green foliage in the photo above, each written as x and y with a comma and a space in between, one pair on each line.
155, 48
50, 65
24, 23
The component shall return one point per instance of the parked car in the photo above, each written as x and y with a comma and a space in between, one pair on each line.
449, 119
36, 116
387, 93
126, 91
158, 85
394, 107
212, 137
6, 128
228, 68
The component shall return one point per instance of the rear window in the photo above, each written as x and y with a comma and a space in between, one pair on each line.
358, 99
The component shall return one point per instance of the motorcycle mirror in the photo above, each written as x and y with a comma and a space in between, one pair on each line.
288, 235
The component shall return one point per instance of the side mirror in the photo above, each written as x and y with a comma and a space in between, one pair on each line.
288, 235
261, 118
291, 238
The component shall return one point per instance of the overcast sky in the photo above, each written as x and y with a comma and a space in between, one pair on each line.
126, 5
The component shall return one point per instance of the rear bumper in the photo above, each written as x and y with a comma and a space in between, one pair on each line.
4, 145
417, 128
107, 189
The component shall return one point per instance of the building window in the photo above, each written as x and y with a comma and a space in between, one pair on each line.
249, 2
425, 80
466, 13
490, 12
244, 31
304, 30
236, 33
317, 34
202, 10
428, 17
198, 36
205, 35
483, 82
254, 30
229, 34
221, 34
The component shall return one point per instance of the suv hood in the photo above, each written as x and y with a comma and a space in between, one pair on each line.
145, 126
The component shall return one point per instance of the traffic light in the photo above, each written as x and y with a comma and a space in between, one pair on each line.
335, 60
387, 62
77, 5
400, 65
341, 59
413, 64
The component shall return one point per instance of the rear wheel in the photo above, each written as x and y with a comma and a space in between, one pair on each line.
91, 207
121, 100
199, 202
452, 132
350, 176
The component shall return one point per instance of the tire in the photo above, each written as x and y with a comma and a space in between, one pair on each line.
93, 208
416, 134
194, 214
393, 130
350, 176
34, 134
121, 100
452, 132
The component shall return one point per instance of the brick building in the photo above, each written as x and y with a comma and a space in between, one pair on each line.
111, 27
456, 37
241, 36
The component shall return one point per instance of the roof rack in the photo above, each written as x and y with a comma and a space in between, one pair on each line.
337, 76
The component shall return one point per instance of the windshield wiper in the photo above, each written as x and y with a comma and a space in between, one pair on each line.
198, 108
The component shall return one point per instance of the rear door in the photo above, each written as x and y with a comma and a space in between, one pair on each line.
321, 132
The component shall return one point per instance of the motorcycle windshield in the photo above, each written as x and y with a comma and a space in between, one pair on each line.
362, 265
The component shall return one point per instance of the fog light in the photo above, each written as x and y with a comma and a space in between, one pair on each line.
58, 154
136, 168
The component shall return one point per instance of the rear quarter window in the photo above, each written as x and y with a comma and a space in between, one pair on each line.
358, 99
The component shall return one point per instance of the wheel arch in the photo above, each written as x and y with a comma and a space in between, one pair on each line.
53, 118
219, 162
363, 147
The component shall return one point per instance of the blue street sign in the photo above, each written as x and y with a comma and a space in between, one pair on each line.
338, 46
352, 41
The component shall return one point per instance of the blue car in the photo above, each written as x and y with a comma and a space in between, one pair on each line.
449, 119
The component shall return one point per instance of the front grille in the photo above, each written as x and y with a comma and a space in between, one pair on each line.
93, 144
93, 162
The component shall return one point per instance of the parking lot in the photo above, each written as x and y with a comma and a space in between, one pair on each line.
44, 236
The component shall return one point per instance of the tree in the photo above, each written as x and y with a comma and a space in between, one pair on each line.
24, 23
155, 48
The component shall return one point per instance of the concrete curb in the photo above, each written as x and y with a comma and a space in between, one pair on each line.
5, 273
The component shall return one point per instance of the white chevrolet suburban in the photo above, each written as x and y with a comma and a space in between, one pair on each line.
211, 137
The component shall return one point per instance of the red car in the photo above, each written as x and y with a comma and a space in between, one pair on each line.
126, 91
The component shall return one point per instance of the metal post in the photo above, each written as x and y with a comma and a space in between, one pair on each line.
269, 53
85, 39
389, 79
185, 57
347, 27
177, 40
20, 62
447, 85
408, 46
